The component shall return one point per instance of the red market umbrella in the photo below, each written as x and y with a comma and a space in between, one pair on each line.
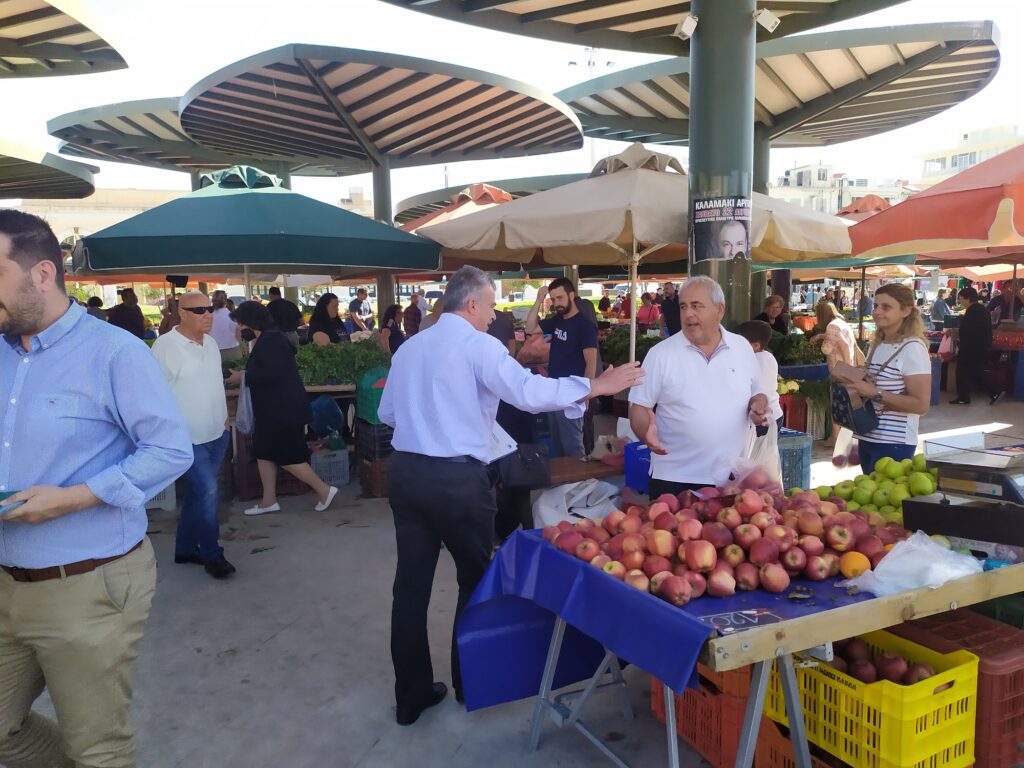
981, 207
864, 207
473, 198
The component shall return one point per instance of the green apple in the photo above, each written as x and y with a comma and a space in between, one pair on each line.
823, 491
894, 517
860, 479
882, 463
888, 509
941, 540
919, 463
895, 470
964, 551
845, 489
794, 491
865, 508
886, 485
908, 466
898, 494
921, 484
868, 484
862, 495
934, 471
852, 506
877, 477
880, 498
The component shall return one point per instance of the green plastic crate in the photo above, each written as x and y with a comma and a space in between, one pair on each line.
368, 393
1008, 609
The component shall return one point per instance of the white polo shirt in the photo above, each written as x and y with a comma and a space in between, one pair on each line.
702, 406
194, 373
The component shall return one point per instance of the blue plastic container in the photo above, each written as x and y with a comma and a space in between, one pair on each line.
795, 457
638, 466
804, 372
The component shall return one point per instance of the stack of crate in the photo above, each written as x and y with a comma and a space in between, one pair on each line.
373, 449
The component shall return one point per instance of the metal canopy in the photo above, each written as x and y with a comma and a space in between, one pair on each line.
811, 90
357, 109
148, 133
40, 39
630, 25
419, 205
36, 174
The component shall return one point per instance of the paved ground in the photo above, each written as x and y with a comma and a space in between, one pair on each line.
288, 663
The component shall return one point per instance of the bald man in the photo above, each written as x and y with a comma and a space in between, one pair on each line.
190, 359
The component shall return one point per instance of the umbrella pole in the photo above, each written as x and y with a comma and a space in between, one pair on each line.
246, 281
1013, 292
860, 304
632, 302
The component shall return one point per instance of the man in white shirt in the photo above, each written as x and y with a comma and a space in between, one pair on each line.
706, 385
191, 360
441, 398
224, 330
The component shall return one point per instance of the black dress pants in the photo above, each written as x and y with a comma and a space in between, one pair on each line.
970, 374
656, 488
434, 502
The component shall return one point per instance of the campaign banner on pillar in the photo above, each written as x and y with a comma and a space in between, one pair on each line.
720, 228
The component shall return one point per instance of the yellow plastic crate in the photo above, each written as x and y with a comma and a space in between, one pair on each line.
883, 724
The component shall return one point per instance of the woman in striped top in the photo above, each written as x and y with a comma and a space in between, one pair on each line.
899, 379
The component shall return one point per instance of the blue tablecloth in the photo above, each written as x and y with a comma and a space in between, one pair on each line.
804, 372
505, 630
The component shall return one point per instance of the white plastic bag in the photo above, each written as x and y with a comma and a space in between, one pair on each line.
589, 498
245, 422
761, 469
912, 564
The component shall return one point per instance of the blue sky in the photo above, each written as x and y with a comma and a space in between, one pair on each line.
171, 44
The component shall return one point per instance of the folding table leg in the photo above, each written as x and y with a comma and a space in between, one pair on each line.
546, 681
752, 716
616, 670
795, 712
670, 727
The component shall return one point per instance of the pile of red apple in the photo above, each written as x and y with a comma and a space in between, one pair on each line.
718, 541
854, 658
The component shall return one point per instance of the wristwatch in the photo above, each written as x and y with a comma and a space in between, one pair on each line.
877, 397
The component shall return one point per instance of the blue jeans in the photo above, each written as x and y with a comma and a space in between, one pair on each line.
198, 529
871, 452
566, 435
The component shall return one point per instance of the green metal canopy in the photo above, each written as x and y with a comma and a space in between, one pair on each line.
848, 262
31, 173
244, 219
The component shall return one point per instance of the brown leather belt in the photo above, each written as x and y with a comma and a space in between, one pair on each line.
61, 571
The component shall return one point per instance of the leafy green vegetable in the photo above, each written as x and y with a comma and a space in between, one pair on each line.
795, 349
615, 346
339, 363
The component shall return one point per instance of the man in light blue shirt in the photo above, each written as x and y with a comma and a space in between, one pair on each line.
88, 431
442, 397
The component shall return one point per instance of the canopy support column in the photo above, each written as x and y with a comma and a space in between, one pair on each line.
634, 261
382, 212
860, 304
722, 56
194, 179
247, 281
780, 278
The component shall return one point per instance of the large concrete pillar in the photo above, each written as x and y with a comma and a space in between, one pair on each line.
194, 178
386, 295
762, 175
722, 57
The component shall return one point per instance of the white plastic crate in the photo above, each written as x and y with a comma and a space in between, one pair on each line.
166, 500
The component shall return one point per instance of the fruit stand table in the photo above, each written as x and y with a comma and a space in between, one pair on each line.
552, 620
566, 469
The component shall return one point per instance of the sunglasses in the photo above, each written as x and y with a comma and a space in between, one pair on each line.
198, 310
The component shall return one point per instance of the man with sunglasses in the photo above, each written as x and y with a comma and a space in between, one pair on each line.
190, 358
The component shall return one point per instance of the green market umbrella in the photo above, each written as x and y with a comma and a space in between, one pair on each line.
242, 220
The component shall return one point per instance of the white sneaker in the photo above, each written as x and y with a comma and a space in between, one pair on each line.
258, 510
321, 506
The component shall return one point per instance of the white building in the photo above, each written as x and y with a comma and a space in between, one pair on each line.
970, 148
818, 187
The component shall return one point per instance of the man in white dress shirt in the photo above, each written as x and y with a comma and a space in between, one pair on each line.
708, 389
224, 330
441, 398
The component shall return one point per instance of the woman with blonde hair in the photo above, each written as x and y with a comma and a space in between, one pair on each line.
837, 342
899, 380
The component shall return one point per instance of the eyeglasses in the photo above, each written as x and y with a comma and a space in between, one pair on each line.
198, 310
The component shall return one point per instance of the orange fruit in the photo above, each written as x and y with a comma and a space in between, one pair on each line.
888, 547
853, 564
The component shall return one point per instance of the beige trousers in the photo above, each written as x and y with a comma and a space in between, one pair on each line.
78, 637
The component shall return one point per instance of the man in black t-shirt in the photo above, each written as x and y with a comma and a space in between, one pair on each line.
360, 312
573, 353
669, 304
287, 316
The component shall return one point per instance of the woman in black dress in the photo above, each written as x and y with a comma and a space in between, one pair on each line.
280, 408
325, 327
774, 314
391, 336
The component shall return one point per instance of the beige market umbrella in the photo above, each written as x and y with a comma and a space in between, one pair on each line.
633, 206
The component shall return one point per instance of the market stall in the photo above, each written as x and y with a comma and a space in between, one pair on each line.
658, 587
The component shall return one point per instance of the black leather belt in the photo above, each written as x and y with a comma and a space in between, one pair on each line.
445, 459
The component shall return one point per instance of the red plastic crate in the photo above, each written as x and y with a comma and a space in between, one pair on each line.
775, 750
794, 412
706, 719
373, 477
247, 476
999, 729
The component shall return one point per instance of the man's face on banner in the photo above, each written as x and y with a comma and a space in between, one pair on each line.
732, 240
